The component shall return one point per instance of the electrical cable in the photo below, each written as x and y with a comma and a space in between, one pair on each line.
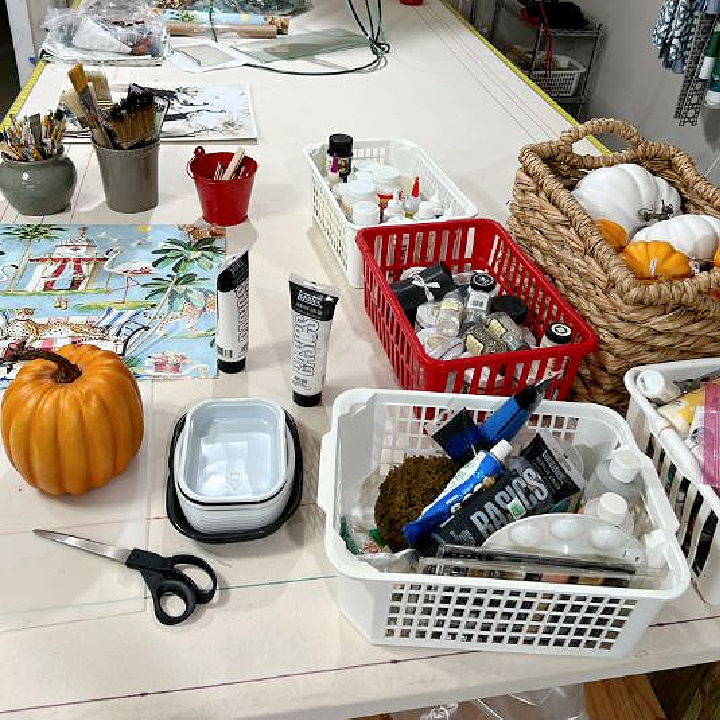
378, 48
548, 41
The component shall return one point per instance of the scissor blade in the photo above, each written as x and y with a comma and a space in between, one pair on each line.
91, 546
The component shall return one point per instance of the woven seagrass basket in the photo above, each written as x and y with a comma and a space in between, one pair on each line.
636, 322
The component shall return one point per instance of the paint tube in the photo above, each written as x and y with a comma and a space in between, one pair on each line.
233, 313
467, 480
534, 484
313, 307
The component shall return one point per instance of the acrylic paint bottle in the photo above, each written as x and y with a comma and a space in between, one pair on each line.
233, 313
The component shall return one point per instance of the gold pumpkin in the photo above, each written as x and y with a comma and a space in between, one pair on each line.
613, 233
71, 420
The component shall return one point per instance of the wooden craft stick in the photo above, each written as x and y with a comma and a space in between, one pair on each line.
187, 29
234, 163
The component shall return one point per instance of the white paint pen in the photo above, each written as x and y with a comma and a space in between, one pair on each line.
313, 308
232, 335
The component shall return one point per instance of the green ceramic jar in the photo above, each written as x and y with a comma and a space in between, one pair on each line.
42, 187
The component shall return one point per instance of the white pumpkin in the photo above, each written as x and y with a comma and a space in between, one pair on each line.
620, 192
694, 235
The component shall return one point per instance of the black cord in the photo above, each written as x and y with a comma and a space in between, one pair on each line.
378, 48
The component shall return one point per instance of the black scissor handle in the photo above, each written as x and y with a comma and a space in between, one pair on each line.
202, 594
163, 579
160, 588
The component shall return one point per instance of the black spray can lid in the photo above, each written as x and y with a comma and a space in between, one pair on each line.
482, 281
559, 333
340, 144
514, 307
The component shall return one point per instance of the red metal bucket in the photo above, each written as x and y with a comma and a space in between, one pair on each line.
223, 202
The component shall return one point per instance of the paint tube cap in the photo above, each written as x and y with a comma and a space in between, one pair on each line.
231, 367
306, 400
482, 281
558, 334
501, 451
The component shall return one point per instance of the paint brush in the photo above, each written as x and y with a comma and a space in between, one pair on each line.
92, 112
237, 159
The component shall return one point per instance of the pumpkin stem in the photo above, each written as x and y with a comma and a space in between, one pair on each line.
67, 371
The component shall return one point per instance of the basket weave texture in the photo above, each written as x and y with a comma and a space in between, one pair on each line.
636, 322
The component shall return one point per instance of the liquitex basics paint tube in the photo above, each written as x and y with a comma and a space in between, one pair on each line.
233, 313
313, 308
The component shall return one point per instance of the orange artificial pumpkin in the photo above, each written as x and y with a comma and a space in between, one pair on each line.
71, 420
716, 258
656, 261
613, 233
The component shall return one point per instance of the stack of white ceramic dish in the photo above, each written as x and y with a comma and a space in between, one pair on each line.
233, 468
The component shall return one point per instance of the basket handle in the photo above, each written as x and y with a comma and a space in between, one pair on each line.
562, 149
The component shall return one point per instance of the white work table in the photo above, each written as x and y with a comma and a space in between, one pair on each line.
273, 644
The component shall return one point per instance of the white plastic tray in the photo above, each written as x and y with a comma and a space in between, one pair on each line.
470, 613
410, 160
696, 505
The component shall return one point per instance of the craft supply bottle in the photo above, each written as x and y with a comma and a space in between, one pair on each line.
425, 212
653, 385
556, 334
481, 290
500, 326
394, 210
340, 145
333, 176
450, 315
620, 473
439, 207
366, 212
478, 341
387, 182
412, 202
613, 509
357, 191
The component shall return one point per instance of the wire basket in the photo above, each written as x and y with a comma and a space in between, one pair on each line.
560, 83
373, 429
696, 505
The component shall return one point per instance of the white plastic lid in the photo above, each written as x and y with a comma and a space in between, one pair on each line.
395, 206
501, 451
612, 508
359, 189
386, 178
624, 465
651, 383
712, 97
425, 211
366, 212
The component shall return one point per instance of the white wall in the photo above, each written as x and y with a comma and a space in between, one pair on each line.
631, 84
25, 18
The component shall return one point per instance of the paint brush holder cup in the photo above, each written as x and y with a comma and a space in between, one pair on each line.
130, 177
223, 202
41, 187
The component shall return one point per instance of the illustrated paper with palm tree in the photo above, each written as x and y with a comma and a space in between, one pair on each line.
144, 291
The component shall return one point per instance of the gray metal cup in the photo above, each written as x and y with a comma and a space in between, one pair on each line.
130, 177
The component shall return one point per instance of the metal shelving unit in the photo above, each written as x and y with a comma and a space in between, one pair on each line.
487, 15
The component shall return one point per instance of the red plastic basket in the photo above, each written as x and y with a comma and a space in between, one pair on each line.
464, 245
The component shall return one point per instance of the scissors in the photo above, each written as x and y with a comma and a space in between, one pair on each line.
161, 574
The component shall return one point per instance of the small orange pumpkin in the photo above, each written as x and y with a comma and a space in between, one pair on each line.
71, 420
656, 261
716, 258
613, 233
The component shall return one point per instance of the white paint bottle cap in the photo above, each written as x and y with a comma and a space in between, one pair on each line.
366, 212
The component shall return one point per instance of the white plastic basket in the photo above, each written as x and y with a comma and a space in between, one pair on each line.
560, 83
377, 428
696, 505
410, 160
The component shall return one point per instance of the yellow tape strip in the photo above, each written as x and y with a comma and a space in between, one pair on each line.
517, 71
29, 85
